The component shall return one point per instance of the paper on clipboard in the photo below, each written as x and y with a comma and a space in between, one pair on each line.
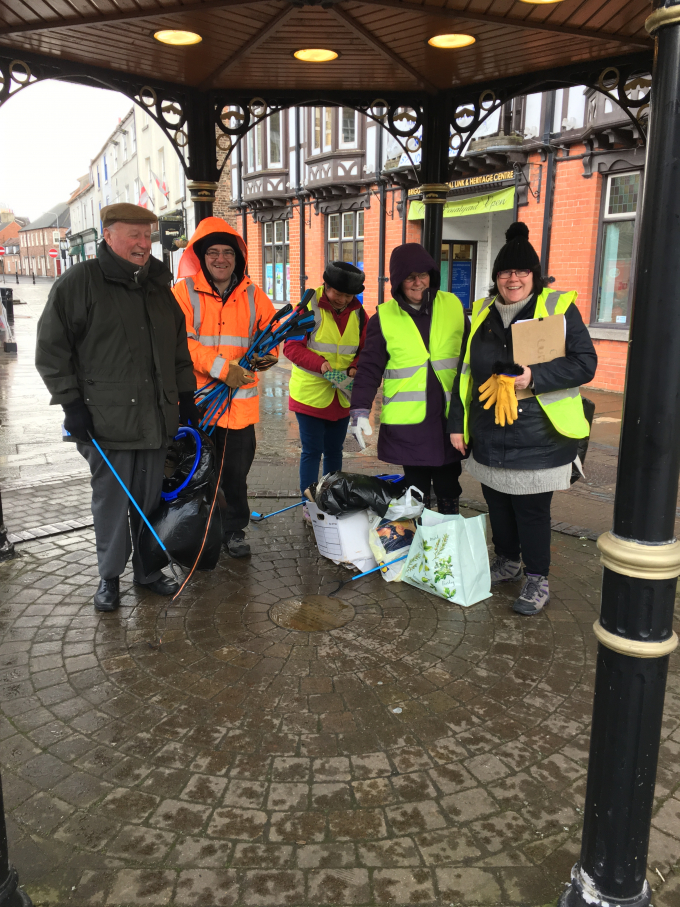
538, 340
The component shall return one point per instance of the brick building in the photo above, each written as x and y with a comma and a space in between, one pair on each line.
357, 194
38, 238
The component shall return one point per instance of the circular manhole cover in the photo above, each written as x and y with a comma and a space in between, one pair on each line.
311, 613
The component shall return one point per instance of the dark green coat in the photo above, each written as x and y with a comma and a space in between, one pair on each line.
121, 346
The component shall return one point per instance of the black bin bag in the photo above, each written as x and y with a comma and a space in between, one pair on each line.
344, 492
182, 516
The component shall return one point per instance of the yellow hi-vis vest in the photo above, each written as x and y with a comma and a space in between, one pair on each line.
311, 388
564, 408
405, 378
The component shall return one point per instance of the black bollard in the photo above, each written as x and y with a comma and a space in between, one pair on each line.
16, 274
6, 547
10, 893
641, 557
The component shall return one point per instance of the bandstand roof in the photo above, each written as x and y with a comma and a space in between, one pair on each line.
249, 45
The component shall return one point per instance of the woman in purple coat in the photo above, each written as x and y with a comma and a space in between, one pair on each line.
412, 344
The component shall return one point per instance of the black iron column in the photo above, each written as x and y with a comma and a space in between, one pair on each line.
549, 116
202, 172
6, 547
641, 558
302, 207
381, 216
434, 172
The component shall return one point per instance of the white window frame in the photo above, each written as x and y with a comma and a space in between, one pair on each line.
341, 141
56, 237
327, 122
257, 142
125, 147
316, 149
271, 162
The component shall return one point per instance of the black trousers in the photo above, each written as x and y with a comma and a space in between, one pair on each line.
520, 525
443, 478
238, 459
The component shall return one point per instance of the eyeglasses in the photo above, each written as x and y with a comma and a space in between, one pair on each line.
504, 275
227, 253
413, 277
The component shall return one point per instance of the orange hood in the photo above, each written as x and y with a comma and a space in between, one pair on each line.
189, 263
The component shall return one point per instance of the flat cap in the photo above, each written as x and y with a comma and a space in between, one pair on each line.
129, 214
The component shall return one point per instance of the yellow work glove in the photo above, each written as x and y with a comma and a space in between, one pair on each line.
489, 392
506, 401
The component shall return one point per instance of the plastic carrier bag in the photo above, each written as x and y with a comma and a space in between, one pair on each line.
449, 557
408, 506
390, 539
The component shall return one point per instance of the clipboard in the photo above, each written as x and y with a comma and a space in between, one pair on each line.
538, 340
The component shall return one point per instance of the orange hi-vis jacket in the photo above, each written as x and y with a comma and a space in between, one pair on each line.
217, 332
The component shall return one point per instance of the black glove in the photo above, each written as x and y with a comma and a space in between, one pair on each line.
77, 420
188, 411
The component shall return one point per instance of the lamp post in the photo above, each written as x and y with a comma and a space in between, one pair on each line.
641, 558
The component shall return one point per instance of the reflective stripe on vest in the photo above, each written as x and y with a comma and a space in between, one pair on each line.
405, 378
563, 407
311, 388
223, 339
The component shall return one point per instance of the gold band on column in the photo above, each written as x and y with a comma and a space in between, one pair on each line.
665, 15
434, 193
640, 561
202, 190
636, 648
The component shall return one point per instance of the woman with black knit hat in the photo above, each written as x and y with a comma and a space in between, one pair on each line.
521, 451
331, 347
412, 347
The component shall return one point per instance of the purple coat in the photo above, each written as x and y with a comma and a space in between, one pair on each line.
424, 444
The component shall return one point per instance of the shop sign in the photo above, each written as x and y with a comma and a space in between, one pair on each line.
470, 181
502, 200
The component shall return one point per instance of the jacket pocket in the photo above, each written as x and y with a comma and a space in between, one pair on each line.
115, 410
171, 408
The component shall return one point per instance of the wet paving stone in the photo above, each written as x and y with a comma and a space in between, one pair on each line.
246, 763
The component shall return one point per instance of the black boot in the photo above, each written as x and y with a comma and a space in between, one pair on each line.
448, 505
107, 596
235, 543
164, 585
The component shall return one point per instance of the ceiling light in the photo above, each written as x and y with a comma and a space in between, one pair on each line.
315, 55
540, 1
451, 41
176, 37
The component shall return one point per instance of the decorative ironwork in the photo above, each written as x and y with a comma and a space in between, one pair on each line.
235, 117
627, 83
167, 105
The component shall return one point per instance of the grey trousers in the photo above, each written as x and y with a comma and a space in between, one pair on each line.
113, 514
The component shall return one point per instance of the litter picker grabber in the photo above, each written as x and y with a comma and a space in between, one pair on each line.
381, 566
256, 517
137, 507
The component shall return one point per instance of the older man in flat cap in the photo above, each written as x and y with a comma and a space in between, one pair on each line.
112, 350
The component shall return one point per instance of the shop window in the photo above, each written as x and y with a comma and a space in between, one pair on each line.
277, 261
458, 268
346, 238
275, 140
616, 245
348, 127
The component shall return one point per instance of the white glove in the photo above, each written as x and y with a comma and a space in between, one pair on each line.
363, 427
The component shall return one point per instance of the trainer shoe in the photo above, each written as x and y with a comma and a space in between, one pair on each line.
534, 596
503, 569
235, 543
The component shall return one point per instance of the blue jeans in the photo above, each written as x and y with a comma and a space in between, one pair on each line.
320, 436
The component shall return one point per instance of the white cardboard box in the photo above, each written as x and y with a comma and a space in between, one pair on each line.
343, 539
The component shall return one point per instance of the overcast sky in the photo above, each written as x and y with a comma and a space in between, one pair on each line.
49, 133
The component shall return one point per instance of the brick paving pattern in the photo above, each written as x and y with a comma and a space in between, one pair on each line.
197, 753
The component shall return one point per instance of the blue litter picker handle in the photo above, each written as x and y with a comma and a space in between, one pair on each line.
182, 433
258, 517
132, 500
383, 566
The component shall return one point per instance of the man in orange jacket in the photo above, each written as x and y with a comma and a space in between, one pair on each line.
223, 310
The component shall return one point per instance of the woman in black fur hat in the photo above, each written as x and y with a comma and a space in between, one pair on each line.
521, 450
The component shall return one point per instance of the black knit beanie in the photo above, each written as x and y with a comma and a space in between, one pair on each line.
344, 277
517, 251
220, 239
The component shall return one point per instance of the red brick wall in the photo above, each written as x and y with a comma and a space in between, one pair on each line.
315, 260
611, 365
255, 237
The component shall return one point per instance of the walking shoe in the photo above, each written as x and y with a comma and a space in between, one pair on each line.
305, 514
235, 543
503, 569
448, 505
161, 586
534, 596
107, 596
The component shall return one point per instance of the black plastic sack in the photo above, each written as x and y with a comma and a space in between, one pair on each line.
181, 519
345, 492
582, 450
